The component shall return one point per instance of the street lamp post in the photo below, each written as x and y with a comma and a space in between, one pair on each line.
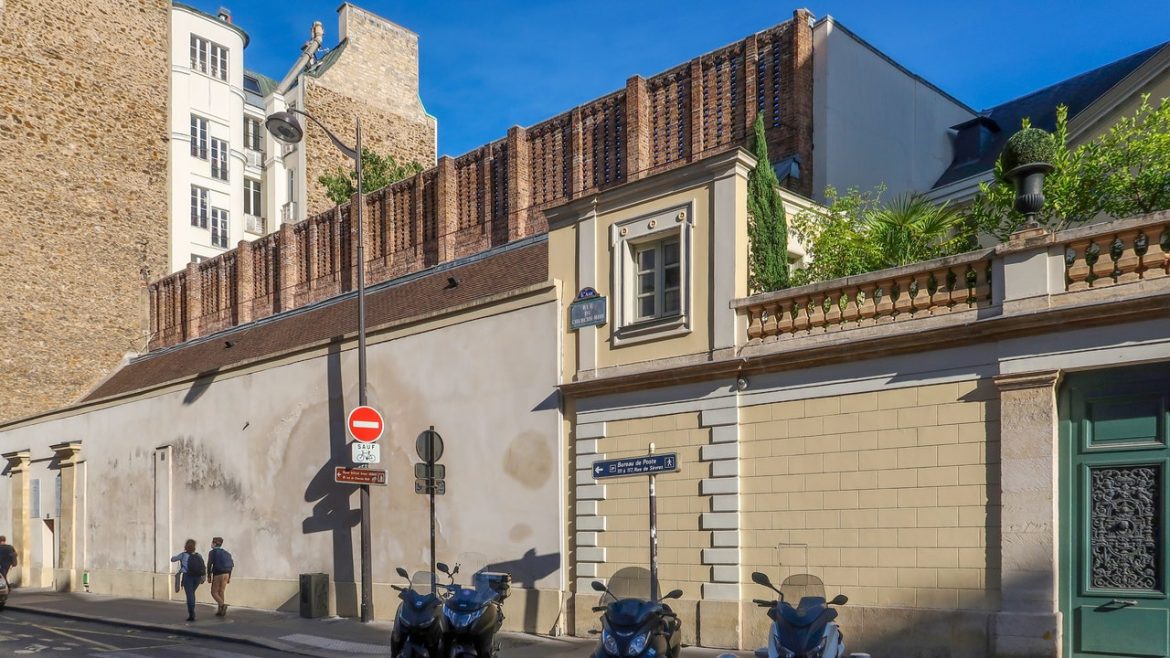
285, 128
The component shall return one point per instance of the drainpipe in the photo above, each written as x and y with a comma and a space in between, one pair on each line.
308, 54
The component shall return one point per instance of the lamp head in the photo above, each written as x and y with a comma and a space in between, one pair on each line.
284, 127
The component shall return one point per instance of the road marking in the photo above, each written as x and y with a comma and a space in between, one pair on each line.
100, 645
336, 645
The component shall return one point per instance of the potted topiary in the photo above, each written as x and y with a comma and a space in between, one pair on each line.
1026, 159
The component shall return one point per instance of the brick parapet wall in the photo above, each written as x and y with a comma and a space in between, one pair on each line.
497, 193
83, 190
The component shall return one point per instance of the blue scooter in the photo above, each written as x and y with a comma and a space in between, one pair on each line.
806, 631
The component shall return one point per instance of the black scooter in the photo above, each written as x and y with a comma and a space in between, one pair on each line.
637, 627
806, 631
418, 632
473, 615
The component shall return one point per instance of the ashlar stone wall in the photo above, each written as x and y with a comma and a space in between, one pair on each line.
83, 190
375, 76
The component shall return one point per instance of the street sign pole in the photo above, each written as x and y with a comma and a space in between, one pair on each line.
366, 557
653, 537
431, 488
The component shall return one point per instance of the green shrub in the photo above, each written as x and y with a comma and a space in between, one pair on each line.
1027, 146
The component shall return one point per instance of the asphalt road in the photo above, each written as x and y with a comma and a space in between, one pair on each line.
27, 634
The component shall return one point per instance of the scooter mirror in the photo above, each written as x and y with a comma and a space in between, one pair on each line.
442, 566
673, 594
597, 586
761, 579
840, 599
402, 572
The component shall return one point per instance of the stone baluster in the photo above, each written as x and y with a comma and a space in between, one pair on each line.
1127, 262
816, 313
1077, 267
884, 313
1102, 267
940, 300
850, 315
771, 326
785, 323
755, 329
867, 309
833, 315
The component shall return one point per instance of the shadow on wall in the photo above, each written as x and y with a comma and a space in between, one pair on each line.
526, 572
202, 382
331, 511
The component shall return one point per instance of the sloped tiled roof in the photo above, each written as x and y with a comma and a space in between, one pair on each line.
512, 267
1040, 106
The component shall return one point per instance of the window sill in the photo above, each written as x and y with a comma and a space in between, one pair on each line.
647, 330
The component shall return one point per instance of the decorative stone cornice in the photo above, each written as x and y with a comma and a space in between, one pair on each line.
17, 460
1026, 380
66, 452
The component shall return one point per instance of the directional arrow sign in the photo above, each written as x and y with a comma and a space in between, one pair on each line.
666, 462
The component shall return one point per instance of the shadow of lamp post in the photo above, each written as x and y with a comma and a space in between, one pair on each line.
285, 128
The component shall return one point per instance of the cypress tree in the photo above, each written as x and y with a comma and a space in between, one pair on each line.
767, 225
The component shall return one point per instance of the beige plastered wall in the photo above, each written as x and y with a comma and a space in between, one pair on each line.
248, 454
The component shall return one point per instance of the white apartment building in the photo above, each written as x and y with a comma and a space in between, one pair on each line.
229, 179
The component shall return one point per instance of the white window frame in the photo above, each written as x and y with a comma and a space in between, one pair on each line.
658, 291
219, 228
219, 159
253, 197
253, 137
198, 137
200, 206
218, 57
209, 58
626, 238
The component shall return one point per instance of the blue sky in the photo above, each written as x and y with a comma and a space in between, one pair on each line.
488, 65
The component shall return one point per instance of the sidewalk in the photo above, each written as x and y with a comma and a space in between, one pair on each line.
278, 631
330, 637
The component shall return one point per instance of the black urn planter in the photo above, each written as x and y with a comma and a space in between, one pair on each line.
1029, 181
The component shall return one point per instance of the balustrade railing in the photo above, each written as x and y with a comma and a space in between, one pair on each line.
1132, 253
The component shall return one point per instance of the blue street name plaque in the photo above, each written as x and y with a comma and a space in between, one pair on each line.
666, 462
587, 310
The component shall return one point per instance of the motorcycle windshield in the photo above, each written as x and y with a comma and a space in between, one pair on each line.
468, 599
802, 585
417, 600
631, 613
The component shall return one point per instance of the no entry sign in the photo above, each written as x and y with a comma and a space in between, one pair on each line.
365, 424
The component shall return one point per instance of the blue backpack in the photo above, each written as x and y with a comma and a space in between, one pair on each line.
221, 560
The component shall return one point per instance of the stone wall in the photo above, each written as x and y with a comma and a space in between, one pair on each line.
83, 190
375, 76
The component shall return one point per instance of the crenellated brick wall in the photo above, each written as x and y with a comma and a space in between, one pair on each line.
498, 192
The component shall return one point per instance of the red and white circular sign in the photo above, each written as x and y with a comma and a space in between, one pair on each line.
365, 424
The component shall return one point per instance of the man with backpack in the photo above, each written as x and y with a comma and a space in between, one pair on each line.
193, 571
220, 565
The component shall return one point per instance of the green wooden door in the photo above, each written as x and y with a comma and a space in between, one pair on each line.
1114, 502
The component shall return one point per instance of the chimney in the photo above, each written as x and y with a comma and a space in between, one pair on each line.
224, 14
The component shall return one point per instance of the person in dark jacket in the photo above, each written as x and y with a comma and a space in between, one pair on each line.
7, 556
219, 569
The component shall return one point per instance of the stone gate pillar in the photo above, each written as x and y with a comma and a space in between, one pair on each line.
67, 572
1029, 620
18, 462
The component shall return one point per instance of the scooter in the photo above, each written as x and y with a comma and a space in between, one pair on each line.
806, 631
637, 627
417, 632
473, 615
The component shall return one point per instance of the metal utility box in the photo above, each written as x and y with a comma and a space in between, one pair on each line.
314, 595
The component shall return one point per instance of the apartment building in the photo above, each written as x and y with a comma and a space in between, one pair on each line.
230, 181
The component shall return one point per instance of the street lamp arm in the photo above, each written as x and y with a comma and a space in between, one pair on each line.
351, 153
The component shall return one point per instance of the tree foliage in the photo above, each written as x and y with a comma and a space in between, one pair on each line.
856, 233
377, 172
1123, 172
767, 224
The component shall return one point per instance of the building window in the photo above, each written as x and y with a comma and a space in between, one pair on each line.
252, 134
657, 280
219, 228
219, 61
219, 159
199, 137
199, 206
196, 258
252, 197
651, 267
209, 57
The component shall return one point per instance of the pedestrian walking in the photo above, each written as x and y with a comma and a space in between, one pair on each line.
7, 556
219, 565
193, 571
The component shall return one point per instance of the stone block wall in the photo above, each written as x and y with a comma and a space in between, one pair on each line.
374, 76
83, 190
883, 495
